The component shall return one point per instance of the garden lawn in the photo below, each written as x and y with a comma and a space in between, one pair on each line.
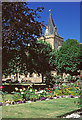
41, 109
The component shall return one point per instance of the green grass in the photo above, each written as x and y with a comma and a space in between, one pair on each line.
41, 109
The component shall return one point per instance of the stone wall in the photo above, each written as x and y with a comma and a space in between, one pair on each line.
34, 78
58, 41
49, 39
55, 41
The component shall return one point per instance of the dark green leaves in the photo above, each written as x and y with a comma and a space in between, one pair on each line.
68, 57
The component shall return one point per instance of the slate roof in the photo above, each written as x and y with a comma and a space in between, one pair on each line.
51, 26
50, 21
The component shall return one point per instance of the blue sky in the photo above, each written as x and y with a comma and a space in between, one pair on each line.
66, 16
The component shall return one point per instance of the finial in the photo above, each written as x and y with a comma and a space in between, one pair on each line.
50, 11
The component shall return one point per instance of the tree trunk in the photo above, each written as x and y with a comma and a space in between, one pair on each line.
17, 76
42, 78
59, 85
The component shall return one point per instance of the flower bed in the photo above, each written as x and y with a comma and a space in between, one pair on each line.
33, 94
29, 94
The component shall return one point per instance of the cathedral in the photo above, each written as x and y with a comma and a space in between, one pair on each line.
51, 36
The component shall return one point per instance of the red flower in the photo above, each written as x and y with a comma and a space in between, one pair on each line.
75, 87
47, 88
18, 96
1, 87
50, 91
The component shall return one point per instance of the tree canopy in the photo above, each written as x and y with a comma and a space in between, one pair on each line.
39, 55
41, 58
68, 58
20, 26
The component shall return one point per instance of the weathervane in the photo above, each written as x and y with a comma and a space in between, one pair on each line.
50, 10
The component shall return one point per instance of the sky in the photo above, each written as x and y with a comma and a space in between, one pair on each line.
66, 16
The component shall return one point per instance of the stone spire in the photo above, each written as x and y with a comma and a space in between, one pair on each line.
50, 28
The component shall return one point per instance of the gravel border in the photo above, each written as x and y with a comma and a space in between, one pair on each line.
74, 114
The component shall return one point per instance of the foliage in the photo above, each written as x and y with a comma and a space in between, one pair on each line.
52, 59
20, 26
58, 78
68, 57
80, 102
40, 55
80, 57
70, 78
16, 64
3, 94
20, 57
49, 79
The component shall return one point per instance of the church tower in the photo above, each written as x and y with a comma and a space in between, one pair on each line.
51, 35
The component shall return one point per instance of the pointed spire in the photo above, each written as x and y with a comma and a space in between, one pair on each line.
50, 21
50, 28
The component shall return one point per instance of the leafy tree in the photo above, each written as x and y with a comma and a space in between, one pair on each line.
68, 58
40, 57
20, 26
16, 64
80, 57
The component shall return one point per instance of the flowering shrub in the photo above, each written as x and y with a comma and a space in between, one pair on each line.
33, 94
3, 93
25, 94
1, 87
59, 92
43, 98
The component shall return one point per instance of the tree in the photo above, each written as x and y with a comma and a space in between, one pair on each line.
16, 64
68, 57
80, 57
39, 57
20, 26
